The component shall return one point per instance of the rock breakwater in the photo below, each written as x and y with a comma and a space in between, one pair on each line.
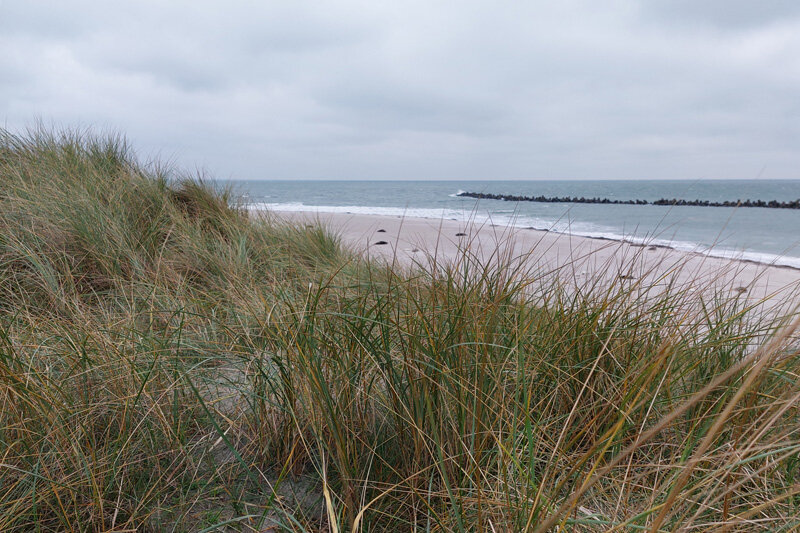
771, 204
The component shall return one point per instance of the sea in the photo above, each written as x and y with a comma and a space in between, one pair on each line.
756, 234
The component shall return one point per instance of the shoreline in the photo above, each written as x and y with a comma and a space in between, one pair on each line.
410, 240
678, 250
771, 259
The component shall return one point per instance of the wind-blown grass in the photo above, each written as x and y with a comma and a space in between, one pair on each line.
169, 361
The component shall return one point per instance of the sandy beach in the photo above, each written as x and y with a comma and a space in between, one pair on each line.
581, 261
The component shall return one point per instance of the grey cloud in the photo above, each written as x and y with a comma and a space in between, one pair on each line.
724, 14
474, 89
48, 20
392, 108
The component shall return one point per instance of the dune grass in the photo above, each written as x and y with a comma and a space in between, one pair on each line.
171, 362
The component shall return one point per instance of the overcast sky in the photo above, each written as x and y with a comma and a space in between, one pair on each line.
692, 89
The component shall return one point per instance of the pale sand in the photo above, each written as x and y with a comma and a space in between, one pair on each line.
579, 260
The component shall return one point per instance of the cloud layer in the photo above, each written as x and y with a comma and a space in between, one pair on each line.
447, 90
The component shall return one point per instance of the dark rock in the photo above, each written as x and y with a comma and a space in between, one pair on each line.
772, 204
381, 231
381, 242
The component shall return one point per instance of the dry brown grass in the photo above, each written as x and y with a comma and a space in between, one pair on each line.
169, 362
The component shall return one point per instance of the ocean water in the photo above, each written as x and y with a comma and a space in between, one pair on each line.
756, 234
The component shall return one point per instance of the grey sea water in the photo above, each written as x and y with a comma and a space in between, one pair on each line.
758, 234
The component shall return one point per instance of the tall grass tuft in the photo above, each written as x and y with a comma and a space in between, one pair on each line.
171, 361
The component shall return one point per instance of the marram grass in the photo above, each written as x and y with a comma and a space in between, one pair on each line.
171, 362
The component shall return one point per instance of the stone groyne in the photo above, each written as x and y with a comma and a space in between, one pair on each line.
771, 204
